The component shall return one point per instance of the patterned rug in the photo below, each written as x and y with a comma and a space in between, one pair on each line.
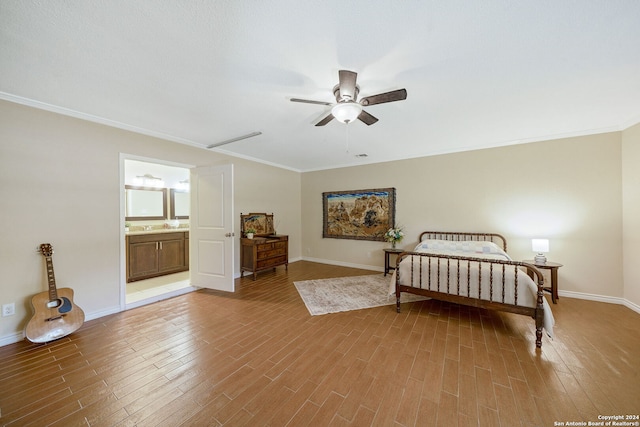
348, 293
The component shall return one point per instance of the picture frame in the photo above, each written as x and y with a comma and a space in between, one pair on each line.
358, 214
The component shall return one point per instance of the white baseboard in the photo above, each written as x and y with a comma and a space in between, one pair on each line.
601, 298
11, 339
591, 297
102, 313
633, 306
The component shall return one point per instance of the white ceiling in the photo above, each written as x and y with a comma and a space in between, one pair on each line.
478, 73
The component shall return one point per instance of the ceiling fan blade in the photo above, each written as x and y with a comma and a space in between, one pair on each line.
348, 84
326, 120
367, 118
308, 101
394, 95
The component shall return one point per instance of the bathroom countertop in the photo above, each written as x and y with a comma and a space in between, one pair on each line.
156, 231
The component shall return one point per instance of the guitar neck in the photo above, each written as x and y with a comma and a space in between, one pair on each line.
51, 278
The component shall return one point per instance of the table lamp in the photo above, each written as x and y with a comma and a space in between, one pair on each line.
540, 246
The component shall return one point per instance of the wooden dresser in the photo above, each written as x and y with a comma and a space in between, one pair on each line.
263, 253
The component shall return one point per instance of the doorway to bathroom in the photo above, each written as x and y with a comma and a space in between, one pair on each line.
155, 236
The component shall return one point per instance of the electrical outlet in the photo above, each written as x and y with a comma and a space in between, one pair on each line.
8, 309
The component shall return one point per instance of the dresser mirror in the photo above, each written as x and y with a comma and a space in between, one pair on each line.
262, 223
145, 203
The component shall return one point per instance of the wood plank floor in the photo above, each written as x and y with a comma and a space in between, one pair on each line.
257, 357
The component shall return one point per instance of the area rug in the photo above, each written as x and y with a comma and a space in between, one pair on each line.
348, 293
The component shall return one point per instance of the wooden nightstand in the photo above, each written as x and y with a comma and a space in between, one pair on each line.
387, 254
553, 267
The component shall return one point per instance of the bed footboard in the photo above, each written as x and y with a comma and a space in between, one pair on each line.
477, 282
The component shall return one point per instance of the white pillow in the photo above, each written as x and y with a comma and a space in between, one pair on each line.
466, 246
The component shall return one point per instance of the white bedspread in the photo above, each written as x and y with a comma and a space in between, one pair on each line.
527, 289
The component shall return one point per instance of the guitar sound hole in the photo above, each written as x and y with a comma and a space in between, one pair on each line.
63, 304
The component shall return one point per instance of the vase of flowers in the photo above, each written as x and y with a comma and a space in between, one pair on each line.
394, 235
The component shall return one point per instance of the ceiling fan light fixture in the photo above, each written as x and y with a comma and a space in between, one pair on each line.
348, 108
346, 112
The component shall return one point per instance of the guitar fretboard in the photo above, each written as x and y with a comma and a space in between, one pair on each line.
51, 278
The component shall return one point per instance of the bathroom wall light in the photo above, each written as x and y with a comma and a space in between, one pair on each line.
183, 185
148, 180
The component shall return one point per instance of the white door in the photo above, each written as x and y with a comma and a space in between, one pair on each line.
211, 228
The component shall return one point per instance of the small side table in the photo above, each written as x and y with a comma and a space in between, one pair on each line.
387, 254
553, 267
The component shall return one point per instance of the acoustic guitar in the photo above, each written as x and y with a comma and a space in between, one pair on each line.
55, 314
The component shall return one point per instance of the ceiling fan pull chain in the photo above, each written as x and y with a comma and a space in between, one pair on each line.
347, 131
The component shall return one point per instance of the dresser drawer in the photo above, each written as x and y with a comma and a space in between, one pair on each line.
271, 253
271, 245
266, 263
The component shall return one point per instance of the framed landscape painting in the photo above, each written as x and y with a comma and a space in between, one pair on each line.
358, 214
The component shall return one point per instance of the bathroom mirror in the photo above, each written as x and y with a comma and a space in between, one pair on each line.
145, 203
180, 204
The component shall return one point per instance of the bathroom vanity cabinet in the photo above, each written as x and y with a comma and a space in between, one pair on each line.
156, 254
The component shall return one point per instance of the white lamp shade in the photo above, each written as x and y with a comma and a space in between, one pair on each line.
540, 245
346, 112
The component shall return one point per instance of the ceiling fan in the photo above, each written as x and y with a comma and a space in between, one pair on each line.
347, 107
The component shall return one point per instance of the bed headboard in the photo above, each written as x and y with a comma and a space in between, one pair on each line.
461, 237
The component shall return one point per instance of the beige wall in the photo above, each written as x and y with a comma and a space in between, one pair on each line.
568, 191
631, 212
60, 183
